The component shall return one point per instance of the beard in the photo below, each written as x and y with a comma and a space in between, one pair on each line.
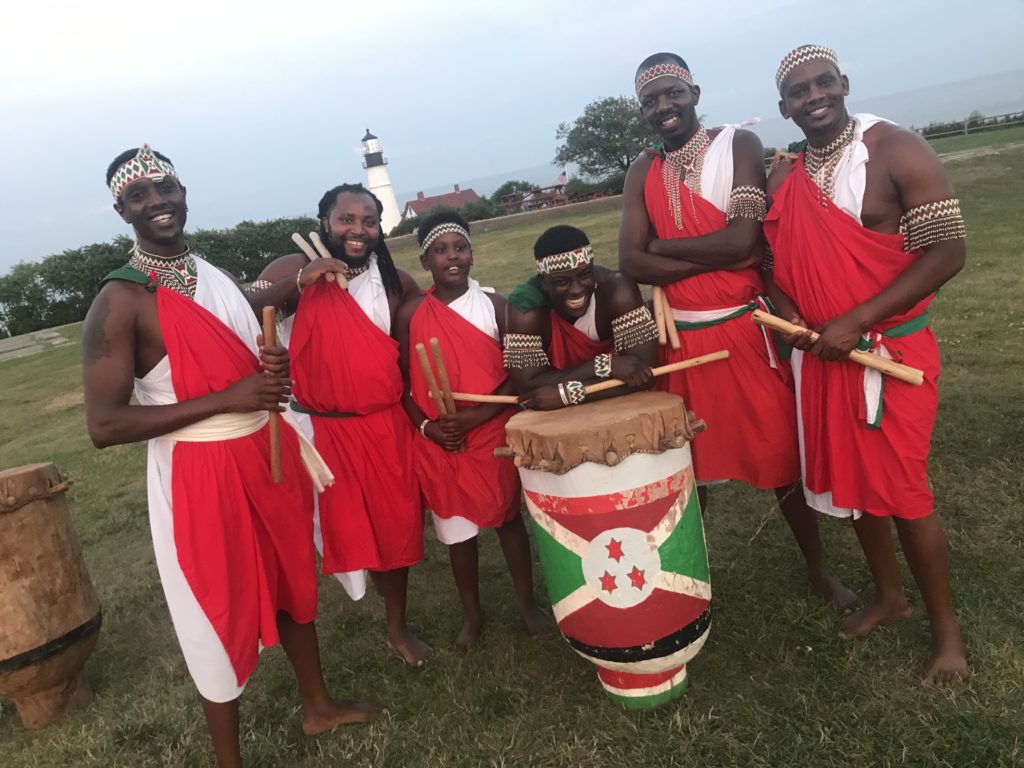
336, 247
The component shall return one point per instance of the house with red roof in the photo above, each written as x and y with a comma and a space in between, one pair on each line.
422, 204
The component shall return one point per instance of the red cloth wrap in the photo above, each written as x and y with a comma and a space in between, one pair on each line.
343, 363
570, 346
749, 408
244, 543
472, 483
828, 263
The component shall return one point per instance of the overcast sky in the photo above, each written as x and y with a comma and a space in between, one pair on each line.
261, 106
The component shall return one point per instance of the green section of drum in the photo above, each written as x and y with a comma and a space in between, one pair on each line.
625, 563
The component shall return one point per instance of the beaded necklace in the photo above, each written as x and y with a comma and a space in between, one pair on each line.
176, 273
685, 165
351, 272
821, 162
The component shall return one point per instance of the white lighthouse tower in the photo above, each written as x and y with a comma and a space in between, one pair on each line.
379, 181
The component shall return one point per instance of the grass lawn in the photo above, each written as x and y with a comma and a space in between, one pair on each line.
774, 685
999, 138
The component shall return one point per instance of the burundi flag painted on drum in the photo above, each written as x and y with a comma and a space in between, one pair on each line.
624, 558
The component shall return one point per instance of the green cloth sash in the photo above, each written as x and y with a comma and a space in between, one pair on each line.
293, 404
913, 325
685, 326
131, 275
529, 296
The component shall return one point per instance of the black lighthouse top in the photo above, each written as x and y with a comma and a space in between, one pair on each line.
372, 154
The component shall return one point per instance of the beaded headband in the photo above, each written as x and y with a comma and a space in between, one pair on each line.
447, 228
568, 260
145, 165
802, 55
662, 70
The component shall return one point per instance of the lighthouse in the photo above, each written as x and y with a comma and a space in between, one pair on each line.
379, 181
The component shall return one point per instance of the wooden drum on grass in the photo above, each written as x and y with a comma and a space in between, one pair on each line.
49, 615
611, 491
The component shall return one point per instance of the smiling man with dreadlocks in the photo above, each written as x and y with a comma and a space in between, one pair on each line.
702, 195
348, 391
865, 228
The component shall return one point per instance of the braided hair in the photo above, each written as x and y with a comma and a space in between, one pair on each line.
386, 264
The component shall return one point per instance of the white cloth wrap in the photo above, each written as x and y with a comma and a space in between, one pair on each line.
475, 308
851, 173
588, 323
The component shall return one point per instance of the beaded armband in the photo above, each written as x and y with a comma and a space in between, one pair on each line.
603, 365
524, 350
932, 223
572, 392
258, 285
633, 329
747, 202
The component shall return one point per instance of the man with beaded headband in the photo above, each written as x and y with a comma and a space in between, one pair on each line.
575, 323
347, 396
702, 197
864, 229
233, 549
463, 484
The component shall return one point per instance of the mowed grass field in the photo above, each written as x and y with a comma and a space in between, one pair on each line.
774, 685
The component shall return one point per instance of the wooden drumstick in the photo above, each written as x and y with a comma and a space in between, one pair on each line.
428, 374
659, 312
307, 249
661, 370
442, 376
899, 371
270, 340
600, 386
331, 277
670, 322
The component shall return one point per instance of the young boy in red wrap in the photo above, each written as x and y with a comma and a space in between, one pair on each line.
864, 230
701, 196
233, 549
463, 484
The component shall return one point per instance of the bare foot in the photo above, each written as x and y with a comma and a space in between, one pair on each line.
840, 597
469, 635
872, 616
413, 651
537, 622
948, 665
333, 714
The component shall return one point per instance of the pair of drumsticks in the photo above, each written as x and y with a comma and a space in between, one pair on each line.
270, 339
663, 318
440, 386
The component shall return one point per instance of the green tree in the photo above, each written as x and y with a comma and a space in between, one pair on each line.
509, 187
606, 138
482, 208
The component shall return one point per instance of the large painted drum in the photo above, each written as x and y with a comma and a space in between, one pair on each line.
49, 615
610, 488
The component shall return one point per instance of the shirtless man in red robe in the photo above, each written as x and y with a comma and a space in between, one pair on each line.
348, 390
691, 222
180, 332
865, 228
575, 323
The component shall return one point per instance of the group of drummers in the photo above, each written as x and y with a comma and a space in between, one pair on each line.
393, 399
